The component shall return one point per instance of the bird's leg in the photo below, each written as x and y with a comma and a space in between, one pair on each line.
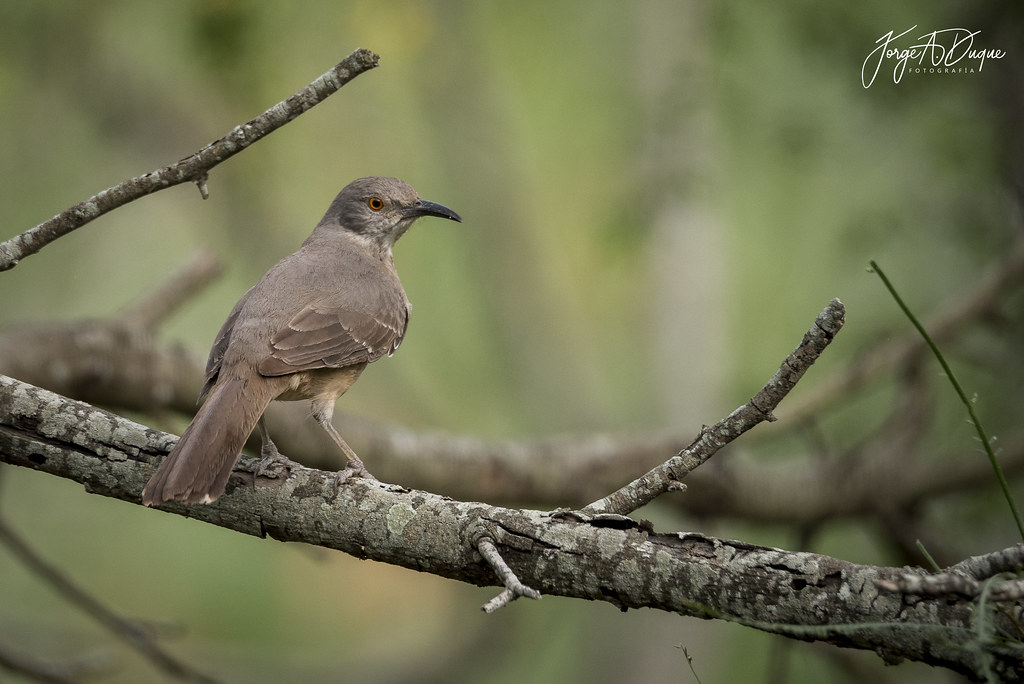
269, 455
322, 411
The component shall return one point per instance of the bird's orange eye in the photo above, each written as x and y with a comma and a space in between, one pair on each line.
375, 203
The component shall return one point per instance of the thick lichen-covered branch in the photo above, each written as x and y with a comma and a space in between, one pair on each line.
606, 558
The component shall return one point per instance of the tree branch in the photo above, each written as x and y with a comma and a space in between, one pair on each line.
111, 362
79, 670
668, 476
611, 558
193, 168
129, 632
150, 311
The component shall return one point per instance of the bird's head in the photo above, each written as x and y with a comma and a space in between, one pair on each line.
380, 210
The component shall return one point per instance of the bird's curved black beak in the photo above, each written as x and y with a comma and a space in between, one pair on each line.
427, 208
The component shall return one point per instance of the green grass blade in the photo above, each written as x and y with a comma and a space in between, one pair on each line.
986, 442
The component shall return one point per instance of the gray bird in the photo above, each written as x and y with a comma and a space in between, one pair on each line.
306, 330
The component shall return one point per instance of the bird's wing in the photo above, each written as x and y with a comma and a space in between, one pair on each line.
220, 346
333, 338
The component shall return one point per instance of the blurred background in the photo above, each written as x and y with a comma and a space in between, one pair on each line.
658, 198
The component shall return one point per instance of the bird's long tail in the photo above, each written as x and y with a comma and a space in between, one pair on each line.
199, 465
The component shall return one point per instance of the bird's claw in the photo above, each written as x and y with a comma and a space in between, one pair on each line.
270, 458
343, 475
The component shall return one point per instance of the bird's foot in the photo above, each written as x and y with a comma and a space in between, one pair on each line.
271, 457
343, 475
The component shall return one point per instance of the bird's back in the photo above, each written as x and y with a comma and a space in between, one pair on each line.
332, 303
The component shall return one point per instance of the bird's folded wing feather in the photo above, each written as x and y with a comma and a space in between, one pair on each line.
333, 338
220, 347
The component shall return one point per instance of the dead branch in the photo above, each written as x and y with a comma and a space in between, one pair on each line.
668, 476
194, 168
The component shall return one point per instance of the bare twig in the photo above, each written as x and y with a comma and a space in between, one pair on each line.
193, 168
988, 565
952, 584
154, 308
667, 476
513, 587
968, 578
124, 629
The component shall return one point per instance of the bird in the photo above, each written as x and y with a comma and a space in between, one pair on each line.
306, 330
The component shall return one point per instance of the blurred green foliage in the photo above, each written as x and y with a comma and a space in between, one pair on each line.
658, 198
